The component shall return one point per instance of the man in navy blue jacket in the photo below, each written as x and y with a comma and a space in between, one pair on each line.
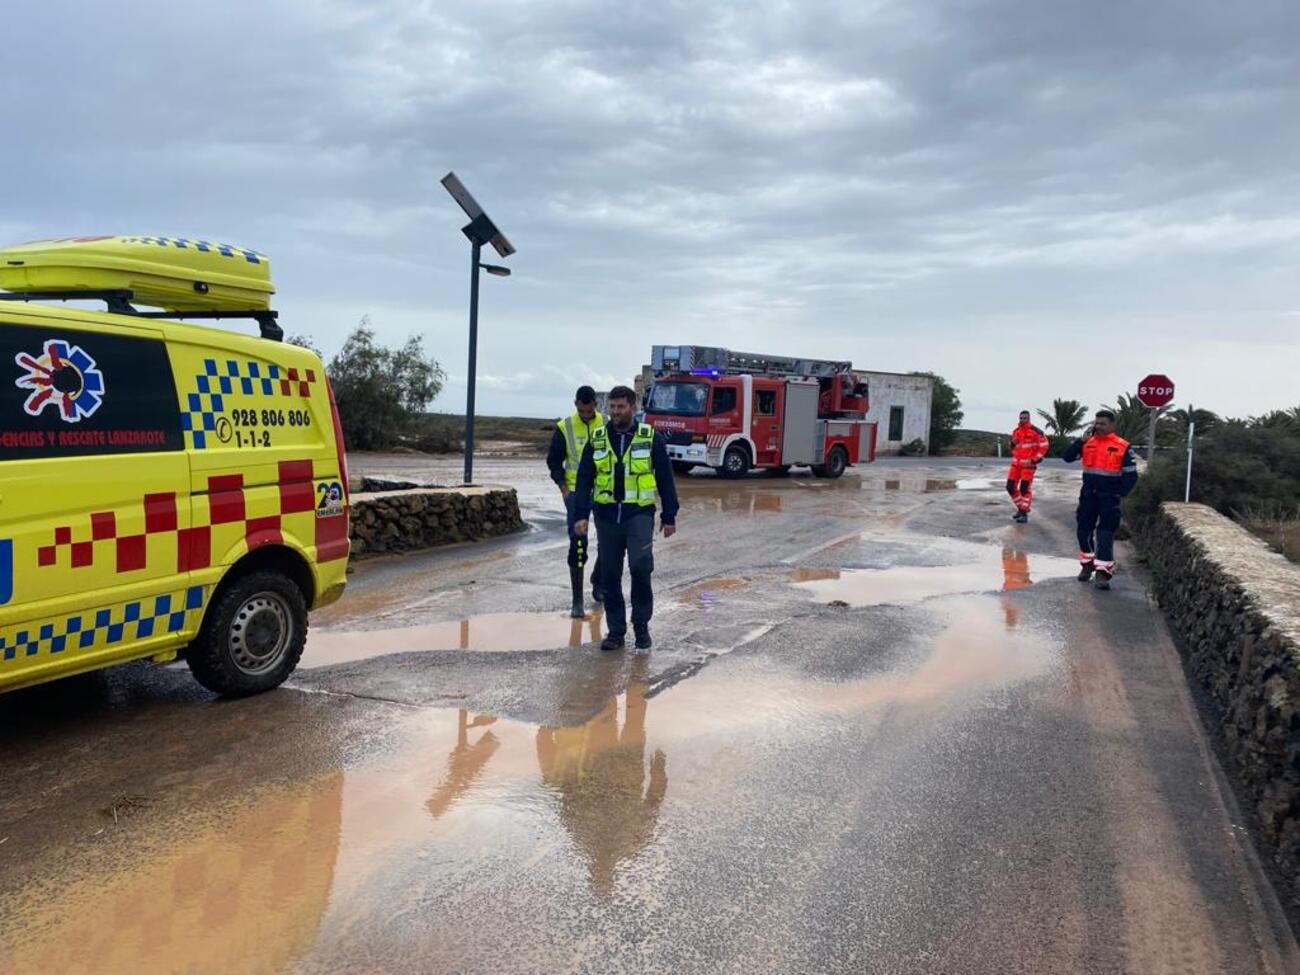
1109, 473
623, 467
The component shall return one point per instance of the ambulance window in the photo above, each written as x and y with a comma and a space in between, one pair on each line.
65, 392
765, 402
724, 399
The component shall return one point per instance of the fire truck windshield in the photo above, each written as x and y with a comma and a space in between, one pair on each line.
679, 399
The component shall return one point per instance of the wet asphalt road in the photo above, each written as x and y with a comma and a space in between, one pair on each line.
882, 730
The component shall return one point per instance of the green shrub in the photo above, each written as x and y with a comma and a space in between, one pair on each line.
914, 449
1239, 468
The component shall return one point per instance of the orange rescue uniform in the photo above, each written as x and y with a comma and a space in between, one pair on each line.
1028, 446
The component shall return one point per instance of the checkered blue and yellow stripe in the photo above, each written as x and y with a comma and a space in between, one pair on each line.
231, 384
97, 629
202, 246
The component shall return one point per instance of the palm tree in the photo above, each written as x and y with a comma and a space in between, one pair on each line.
1066, 416
1288, 420
1177, 421
1132, 419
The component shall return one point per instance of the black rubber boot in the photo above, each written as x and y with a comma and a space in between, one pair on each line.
1085, 571
612, 643
1103, 579
643, 641
575, 581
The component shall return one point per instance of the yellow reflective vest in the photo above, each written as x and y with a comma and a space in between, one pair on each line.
638, 467
576, 432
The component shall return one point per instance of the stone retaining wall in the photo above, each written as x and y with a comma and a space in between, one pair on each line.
404, 521
1234, 608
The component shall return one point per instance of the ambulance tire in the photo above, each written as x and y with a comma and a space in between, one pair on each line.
735, 462
229, 657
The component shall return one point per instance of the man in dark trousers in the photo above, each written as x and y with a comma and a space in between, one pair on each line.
622, 469
1109, 473
571, 436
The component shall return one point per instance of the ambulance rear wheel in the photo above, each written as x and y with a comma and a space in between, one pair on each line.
252, 637
735, 462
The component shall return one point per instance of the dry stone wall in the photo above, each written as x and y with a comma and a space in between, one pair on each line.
405, 521
1234, 608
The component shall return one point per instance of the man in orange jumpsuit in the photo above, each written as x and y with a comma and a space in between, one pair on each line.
1028, 447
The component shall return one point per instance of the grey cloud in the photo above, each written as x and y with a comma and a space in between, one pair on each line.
971, 187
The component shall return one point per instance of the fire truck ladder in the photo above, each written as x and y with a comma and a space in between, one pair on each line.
771, 365
705, 359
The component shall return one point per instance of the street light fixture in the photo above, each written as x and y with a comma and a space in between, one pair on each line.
480, 230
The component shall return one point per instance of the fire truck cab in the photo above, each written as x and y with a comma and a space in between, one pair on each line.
736, 411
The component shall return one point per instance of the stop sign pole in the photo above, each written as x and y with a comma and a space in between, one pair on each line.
1155, 391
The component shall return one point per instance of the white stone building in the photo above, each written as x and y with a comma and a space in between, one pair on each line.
900, 407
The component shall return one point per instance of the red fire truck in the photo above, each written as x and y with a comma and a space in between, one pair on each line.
735, 411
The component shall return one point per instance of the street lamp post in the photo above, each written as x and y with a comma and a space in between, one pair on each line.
480, 230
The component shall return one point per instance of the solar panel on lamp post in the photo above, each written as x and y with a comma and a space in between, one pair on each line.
480, 230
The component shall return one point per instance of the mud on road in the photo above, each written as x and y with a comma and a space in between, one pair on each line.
882, 730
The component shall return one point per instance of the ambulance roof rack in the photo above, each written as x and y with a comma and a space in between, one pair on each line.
705, 361
119, 303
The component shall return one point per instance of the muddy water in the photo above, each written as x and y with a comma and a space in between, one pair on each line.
423, 848
499, 632
988, 570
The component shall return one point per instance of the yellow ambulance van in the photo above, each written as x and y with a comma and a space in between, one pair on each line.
166, 488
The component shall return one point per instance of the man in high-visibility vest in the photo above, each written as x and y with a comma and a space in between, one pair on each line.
1109, 473
572, 433
1029, 445
622, 469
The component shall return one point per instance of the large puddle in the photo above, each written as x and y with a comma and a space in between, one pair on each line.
501, 632
471, 830
988, 571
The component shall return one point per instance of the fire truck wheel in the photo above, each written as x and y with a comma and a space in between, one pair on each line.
836, 462
252, 637
735, 462
681, 468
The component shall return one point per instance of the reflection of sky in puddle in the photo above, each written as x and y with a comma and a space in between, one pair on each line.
990, 570
502, 632
401, 850
916, 484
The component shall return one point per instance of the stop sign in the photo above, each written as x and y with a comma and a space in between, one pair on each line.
1156, 390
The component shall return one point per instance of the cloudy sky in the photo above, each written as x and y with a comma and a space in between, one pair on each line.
1034, 199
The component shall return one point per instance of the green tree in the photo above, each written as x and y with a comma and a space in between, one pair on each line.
382, 393
305, 342
1286, 420
1173, 426
945, 412
1206, 420
1066, 417
1132, 419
